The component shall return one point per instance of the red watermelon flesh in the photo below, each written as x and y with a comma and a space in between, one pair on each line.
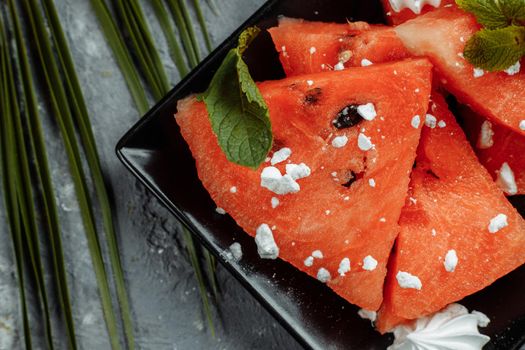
405, 14
311, 47
441, 36
506, 146
452, 199
341, 222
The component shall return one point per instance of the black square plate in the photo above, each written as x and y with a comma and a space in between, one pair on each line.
154, 151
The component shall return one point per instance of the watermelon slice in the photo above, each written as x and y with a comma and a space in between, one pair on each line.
495, 145
441, 35
311, 47
395, 14
333, 228
458, 232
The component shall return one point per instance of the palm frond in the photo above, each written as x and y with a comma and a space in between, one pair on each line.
62, 111
81, 118
202, 23
184, 31
122, 55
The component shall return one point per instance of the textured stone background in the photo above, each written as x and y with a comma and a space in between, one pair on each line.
163, 290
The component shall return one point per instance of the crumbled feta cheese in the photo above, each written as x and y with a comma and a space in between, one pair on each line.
372, 182
327, 212
522, 124
365, 62
506, 180
310, 82
334, 174
347, 198
272, 179
317, 254
514, 69
430, 121
485, 135
451, 260
339, 66
407, 280
281, 155
364, 143
339, 141
312, 50
382, 219
233, 189
442, 124
323, 275
275, 202
478, 72
417, 90
344, 266
298, 171
236, 251
369, 263
416, 121
220, 211
266, 246
497, 223
367, 314
434, 233
309, 261
367, 111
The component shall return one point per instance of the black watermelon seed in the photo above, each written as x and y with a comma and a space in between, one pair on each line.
352, 177
347, 117
312, 96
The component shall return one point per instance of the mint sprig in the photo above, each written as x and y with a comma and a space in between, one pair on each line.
502, 42
238, 113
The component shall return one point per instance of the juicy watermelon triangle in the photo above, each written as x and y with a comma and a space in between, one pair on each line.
441, 35
311, 47
452, 200
507, 147
336, 210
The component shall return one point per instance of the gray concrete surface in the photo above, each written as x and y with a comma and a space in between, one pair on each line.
163, 290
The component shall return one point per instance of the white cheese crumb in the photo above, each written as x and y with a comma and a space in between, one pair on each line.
369, 263
430, 121
372, 182
323, 275
339, 66
514, 69
451, 260
310, 82
347, 198
497, 223
272, 179
317, 254
416, 121
365, 62
275, 202
298, 171
485, 135
382, 219
506, 180
236, 251
233, 189
522, 124
309, 261
417, 91
344, 266
220, 211
367, 111
478, 72
339, 141
442, 124
364, 143
312, 50
266, 246
434, 233
281, 155
327, 212
407, 280
367, 314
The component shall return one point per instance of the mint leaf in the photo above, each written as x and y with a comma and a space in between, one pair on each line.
496, 49
237, 111
494, 14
